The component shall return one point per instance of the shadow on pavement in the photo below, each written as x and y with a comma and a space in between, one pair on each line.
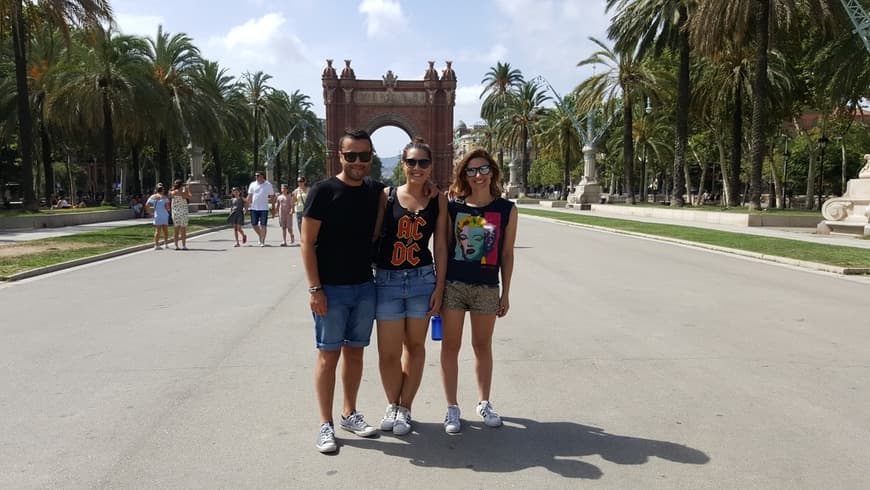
523, 443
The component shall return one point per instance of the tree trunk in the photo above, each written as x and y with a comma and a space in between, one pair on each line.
628, 149
136, 168
163, 159
811, 181
705, 168
727, 193
22, 99
256, 141
736, 147
108, 152
526, 158
47, 166
683, 94
759, 102
218, 167
566, 178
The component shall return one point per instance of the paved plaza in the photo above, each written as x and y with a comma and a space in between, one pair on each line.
624, 363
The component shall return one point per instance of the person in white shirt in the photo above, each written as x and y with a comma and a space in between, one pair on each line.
261, 197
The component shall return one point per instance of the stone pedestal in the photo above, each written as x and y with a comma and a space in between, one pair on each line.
586, 192
196, 184
849, 213
514, 188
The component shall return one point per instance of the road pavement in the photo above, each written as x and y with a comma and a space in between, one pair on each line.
623, 363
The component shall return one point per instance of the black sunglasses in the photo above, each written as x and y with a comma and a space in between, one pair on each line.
351, 156
473, 171
422, 163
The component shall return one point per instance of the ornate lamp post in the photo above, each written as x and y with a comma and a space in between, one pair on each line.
823, 141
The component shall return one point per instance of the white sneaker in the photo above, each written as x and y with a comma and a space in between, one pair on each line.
489, 415
452, 425
403, 421
356, 423
326, 439
389, 419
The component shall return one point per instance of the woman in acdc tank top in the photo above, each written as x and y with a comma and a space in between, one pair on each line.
409, 288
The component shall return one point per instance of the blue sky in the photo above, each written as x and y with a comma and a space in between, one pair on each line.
291, 40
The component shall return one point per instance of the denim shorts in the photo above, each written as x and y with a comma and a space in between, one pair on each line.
477, 298
259, 217
404, 293
350, 313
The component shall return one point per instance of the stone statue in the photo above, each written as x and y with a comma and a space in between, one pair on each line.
864, 173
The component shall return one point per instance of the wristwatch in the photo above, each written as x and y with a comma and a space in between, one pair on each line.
314, 289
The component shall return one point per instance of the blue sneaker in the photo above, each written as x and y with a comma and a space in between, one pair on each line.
356, 423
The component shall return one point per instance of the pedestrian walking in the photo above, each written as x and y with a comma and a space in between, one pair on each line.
300, 196
158, 204
482, 232
284, 204
261, 196
180, 196
409, 282
237, 216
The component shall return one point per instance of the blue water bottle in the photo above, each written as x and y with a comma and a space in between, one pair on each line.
436, 327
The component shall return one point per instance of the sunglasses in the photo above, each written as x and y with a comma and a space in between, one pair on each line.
351, 156
422, 163
473, 172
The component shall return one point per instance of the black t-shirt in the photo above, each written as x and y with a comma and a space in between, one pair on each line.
404, 243
347, 216
475, 250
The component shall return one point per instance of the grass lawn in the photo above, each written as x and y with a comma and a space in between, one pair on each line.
719, 209
19, 257
794, 249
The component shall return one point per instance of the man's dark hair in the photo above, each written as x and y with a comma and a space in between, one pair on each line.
355, 134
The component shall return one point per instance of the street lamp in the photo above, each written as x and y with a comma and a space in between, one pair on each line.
823, 141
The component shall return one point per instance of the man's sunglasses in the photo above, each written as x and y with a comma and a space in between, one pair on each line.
473, 171
422, 163
351, 156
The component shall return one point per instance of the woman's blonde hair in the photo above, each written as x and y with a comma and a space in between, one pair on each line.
460, 185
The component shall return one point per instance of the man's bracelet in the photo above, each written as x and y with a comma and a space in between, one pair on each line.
314, 289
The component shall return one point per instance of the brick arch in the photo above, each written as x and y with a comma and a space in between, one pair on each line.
418, 107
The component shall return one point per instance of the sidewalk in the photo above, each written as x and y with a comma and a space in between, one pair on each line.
801, 234
27, 234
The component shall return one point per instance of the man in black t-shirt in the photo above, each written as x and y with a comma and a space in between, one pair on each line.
337, 229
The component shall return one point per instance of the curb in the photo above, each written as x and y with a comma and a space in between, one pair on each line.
845, 271
96, 258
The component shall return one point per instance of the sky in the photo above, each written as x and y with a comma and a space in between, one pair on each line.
292, 39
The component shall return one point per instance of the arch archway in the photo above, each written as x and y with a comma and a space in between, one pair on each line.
418, 107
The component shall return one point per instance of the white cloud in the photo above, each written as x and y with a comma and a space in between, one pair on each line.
469, 95
383, 17
141, 25
263, 40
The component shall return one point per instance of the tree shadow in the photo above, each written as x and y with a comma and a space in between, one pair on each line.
523, 443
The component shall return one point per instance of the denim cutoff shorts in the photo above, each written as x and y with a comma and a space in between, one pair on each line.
350, 313
404, 293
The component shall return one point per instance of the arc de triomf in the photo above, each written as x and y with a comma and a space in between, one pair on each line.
418, 107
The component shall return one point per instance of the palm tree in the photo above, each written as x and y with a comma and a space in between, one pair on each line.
231, 109
644, 24
624, 79
518, 118
557, 137
174, 61
45, 54
716, 20
498, 82
102, 85
257, 91
62, 14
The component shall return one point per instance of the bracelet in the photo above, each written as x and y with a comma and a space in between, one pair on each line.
314, 289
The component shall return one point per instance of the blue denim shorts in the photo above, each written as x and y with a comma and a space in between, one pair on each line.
404, 293
259, 217
350, 313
